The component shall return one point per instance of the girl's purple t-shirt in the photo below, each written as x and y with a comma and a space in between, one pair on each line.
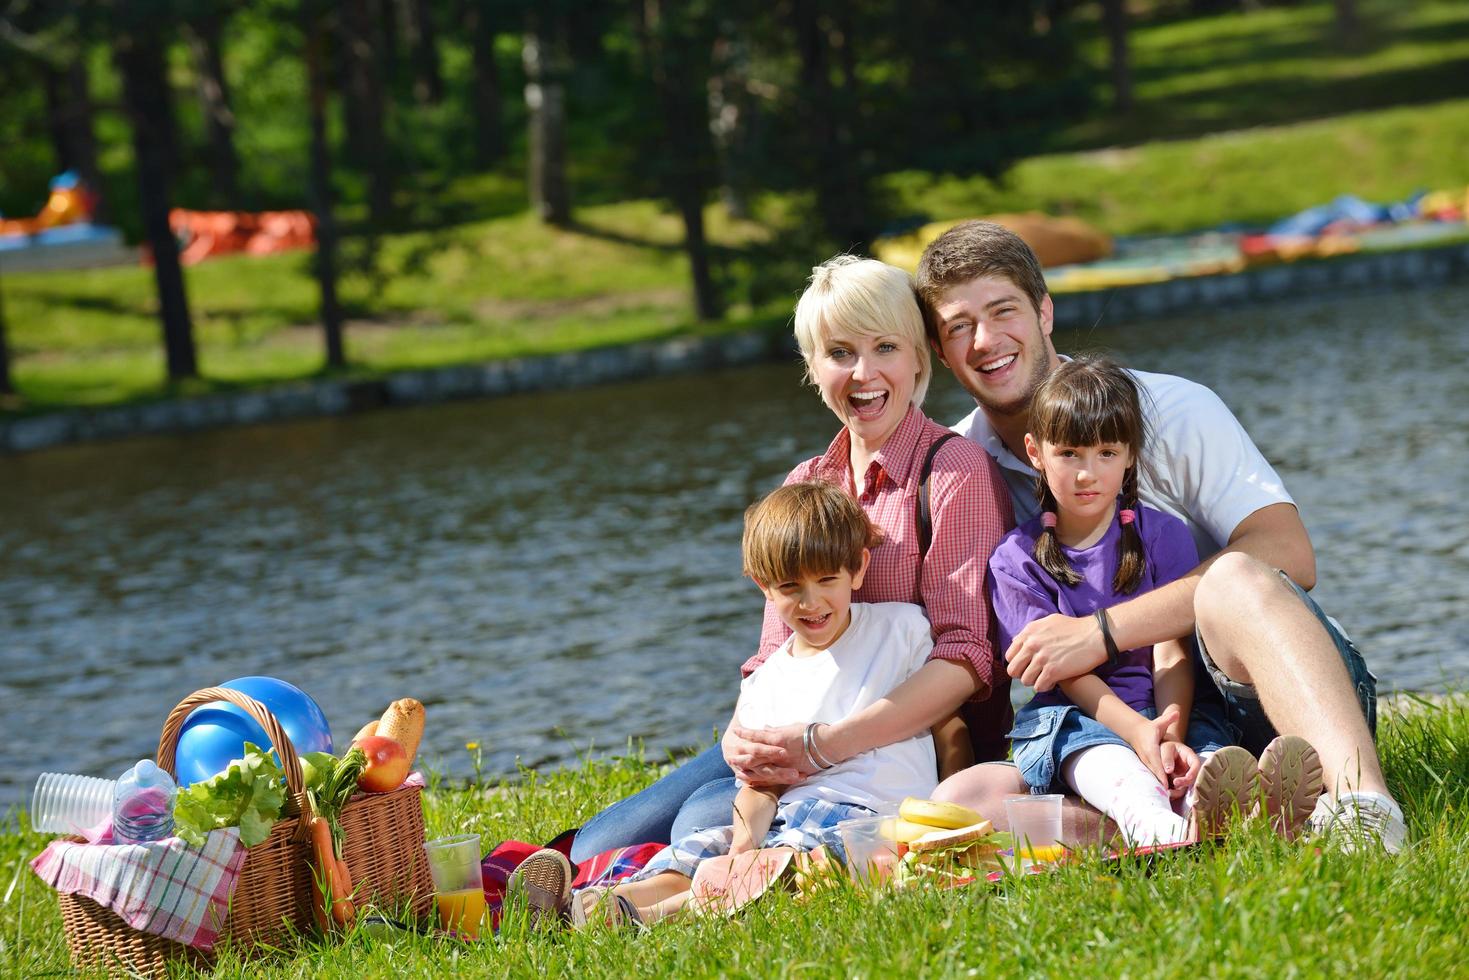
1022, 591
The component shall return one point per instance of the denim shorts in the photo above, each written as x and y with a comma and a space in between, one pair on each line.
1242, 703
1047, 735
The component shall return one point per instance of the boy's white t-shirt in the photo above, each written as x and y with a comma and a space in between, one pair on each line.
883, 646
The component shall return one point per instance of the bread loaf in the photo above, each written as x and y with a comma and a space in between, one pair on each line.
403, 723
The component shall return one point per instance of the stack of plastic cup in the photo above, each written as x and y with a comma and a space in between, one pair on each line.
64, 803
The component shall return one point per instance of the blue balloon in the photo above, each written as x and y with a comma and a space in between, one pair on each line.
215, 734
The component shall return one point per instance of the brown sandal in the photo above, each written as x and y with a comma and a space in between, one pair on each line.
1290, 783
600, 905
1224, 790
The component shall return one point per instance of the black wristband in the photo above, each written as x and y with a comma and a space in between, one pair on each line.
1112, 652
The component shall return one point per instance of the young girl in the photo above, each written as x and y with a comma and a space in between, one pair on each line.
806, 546
1119, 737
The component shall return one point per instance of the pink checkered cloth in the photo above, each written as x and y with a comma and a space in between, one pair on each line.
165, 888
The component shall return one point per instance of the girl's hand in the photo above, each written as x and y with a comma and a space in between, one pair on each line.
1148, 738
766, 756
1182, 765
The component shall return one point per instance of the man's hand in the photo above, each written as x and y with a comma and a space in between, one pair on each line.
1054, 649
766, 756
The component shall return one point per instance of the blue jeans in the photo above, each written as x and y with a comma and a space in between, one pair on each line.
698, 794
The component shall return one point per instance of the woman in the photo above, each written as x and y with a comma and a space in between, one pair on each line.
861, 334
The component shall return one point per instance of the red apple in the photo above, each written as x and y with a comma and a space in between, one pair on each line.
387, 764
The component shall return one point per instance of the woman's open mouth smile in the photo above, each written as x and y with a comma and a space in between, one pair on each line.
868, 404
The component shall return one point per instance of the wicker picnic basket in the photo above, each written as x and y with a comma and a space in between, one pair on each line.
272, 899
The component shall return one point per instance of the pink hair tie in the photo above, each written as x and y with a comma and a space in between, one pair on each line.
1126, 516
1048, 518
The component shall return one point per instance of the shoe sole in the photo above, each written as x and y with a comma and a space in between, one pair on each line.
545, 877
1291, 782
1225, 790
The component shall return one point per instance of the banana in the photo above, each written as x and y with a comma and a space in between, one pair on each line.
945, 816
903, 831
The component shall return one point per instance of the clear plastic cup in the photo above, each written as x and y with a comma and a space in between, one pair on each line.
65, 803
1035, 823
458, 885
871, 853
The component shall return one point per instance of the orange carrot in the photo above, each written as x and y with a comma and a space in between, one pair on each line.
323, 876
344, 911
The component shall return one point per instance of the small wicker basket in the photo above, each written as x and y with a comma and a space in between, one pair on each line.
272, 899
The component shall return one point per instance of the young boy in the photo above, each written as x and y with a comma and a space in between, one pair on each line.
806, 547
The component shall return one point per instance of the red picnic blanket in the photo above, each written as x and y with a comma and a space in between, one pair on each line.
603, 869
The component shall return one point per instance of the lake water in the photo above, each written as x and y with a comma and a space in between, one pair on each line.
554, 574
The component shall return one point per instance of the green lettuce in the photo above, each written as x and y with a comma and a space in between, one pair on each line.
249, 795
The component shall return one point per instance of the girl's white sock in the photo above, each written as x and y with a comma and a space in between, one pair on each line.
1114, 780
1186, 804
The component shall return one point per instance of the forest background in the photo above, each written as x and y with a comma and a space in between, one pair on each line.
495, 178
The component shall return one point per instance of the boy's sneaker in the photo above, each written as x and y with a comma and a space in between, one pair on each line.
1290, 784
1354, 819
1224, 790
545, 878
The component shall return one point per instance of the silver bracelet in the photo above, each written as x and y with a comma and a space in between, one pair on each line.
813, 752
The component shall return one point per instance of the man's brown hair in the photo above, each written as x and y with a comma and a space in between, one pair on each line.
967, 251
808, 528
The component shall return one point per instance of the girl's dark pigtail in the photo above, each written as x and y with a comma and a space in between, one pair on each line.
1130, 557
1048, 553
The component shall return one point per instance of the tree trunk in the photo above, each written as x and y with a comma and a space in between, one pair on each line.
1348, 21
69, 118
671, 50
7, 385
841, 198
484, 98
1114, 15
366, 104
321, 198
139, 55
545, 99
423, 48
730, 109
204, 35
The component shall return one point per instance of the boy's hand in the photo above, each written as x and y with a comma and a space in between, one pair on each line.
766, 756
1181, 764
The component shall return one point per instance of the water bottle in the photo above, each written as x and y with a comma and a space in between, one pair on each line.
142, 804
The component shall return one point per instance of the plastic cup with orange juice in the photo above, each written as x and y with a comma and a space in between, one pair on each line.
458, 886
1035, 823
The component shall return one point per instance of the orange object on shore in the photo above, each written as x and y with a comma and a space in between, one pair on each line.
205, 234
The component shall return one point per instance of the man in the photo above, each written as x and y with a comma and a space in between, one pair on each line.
1279, 663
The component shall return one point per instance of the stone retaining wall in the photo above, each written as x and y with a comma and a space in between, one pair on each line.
1427, 266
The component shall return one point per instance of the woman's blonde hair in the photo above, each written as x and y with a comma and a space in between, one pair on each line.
868, 298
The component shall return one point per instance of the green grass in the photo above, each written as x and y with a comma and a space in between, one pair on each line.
1274, 65
1251, 177
1252, 907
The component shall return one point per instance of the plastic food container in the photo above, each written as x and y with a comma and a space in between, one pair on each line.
871, 854
65, 803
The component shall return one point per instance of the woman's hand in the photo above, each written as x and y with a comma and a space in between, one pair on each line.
766, 756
